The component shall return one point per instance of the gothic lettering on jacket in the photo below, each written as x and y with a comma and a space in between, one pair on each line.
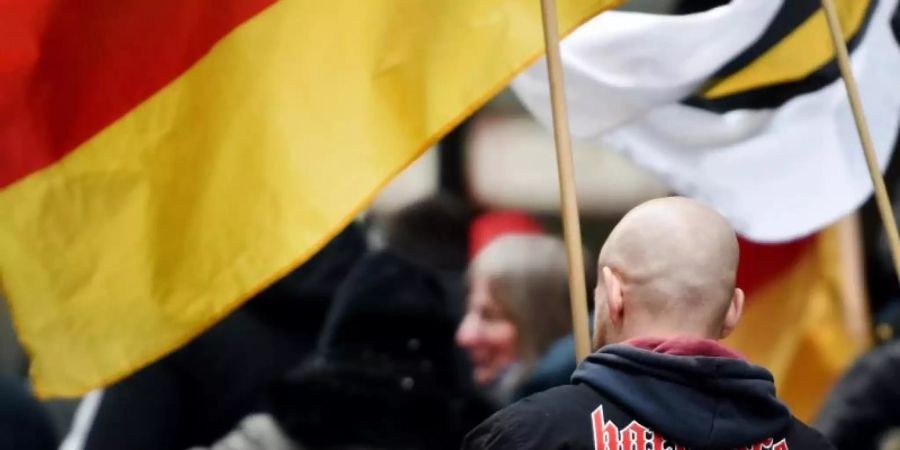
608, 436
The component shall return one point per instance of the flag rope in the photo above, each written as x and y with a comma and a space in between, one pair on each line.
566, 172
882, 198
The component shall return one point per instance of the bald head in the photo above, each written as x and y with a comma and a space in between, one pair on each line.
668, 268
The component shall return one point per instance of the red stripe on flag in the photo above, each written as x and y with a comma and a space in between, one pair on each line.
68, 69
761, 263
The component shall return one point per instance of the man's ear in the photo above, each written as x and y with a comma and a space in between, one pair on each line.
614, 297
733, 316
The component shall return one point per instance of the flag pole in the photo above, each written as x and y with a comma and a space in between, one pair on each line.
881, 195
853, 285
565, 167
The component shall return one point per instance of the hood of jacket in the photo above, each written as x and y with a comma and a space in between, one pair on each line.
694, 392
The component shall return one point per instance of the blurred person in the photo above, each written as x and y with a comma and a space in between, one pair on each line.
887, 322
659, 378
491, 225
384, 375
432, 232
518, 307
201, 391
863, 410
24, 423
891, 440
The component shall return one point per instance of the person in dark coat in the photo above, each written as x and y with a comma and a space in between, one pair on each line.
659, 380
432, 232
24, 423
386, 374
864, 407
201, 391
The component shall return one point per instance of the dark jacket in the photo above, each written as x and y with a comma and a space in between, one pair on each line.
864, 404
634, 397
553, 369
24, 424
386, 373
200, 392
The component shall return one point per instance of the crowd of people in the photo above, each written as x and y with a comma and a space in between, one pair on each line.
440, 329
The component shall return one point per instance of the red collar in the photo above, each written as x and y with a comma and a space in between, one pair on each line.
684, 346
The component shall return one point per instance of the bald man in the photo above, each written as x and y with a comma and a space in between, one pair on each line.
659, 379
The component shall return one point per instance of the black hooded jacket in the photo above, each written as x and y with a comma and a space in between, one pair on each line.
624, 397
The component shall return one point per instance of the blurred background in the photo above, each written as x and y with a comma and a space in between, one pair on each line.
492, 176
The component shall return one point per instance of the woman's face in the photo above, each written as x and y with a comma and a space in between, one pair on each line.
487, 333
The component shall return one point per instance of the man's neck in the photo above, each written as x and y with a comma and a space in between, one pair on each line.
684, 346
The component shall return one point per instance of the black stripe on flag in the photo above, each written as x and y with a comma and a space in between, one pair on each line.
790, 16
895, 24
773, 96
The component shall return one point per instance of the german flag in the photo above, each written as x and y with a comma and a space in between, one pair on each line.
161, 161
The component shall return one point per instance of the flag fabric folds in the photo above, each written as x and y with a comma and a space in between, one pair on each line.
740, 106
161, 161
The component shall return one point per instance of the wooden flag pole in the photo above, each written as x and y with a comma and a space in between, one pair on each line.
881, 195
853, 283
565, 166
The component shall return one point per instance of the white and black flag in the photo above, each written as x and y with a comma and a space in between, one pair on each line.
740, 106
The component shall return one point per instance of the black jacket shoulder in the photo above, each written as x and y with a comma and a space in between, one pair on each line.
863, 404
547, 420
804, 437
561, 418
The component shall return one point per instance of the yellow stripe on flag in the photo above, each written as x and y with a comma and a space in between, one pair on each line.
240, 169
794, 327
802, 52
